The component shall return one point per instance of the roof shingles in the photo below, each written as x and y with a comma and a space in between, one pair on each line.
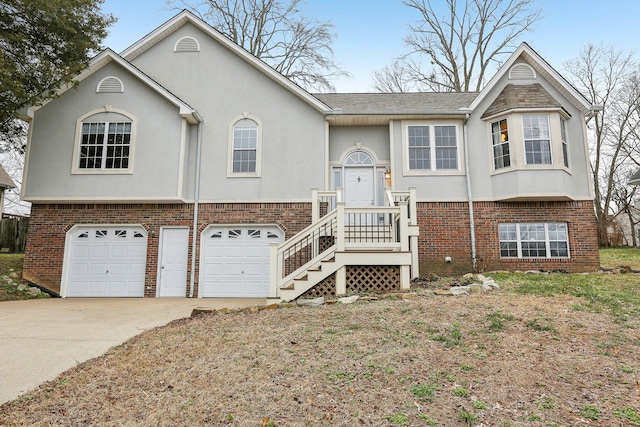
397, 103
521, 96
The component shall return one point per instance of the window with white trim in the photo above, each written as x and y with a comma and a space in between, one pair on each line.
432, 147
245, 144
534, 240
500, 142
537, 139
104, 145
565, 148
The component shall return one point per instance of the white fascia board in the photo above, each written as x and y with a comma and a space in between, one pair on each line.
557, 80
185, 16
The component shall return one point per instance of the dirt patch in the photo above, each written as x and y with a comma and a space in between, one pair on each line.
491, 359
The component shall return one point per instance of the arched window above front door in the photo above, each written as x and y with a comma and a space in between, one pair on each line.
358, 158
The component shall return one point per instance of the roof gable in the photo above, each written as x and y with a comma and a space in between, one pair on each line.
543, 69
108, 56
184, 17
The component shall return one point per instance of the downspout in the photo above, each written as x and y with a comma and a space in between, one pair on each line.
196, 200
469, 193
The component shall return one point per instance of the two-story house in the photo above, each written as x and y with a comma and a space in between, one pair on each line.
184, 166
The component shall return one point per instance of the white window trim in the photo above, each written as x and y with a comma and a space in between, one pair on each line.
406, 171
258, 172
547, 241
75, 165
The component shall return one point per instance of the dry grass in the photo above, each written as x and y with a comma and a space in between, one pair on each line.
500, 359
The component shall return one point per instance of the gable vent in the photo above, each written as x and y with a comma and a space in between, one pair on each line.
522, 72
110, 84
187, 44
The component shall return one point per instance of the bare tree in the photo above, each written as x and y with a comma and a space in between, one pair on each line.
459, 44
278, 33
394, 78
610, 77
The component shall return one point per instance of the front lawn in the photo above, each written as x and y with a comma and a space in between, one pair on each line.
544, 350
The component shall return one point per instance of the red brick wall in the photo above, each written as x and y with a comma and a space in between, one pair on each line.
444, 231
49, 224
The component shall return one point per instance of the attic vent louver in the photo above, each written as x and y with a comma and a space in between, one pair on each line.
110, 84
522, 72
187, 44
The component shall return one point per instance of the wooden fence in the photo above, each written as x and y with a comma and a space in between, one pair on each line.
13, 233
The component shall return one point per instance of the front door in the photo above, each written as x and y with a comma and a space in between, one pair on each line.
359, 189
173, 262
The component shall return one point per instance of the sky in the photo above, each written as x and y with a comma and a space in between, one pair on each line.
370, 33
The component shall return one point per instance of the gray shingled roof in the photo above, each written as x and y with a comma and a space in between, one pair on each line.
5, 179
635, 178
397, 103
521, 96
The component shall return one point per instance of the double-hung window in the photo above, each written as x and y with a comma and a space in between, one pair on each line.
534, 240
419, 148
537, 139
565, 149
432, 147
500, 142
105, 146
245, 147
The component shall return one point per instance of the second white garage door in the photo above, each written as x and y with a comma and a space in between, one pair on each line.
235, 261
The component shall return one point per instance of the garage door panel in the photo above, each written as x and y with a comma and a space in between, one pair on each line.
106, 261
254, 251
234, 269
234, 250
100, 251
118, 269
97, 269
81, 251
117, 287
138, 251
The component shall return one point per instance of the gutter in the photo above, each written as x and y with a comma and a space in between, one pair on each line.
472, 226
196, 201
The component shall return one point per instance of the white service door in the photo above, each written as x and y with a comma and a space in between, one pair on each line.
173, 266
359, 187
106, 261
235, 261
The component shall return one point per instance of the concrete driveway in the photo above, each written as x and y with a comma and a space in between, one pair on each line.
39, 339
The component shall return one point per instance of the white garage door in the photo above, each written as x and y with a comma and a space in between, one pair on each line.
106, 261
235, 261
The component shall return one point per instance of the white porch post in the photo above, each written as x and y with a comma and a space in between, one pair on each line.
405, 280
404, 227
340, 226
274, 270
413, 210
413, 239
341, 281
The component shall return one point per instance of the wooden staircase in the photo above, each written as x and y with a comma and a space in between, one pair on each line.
384, 235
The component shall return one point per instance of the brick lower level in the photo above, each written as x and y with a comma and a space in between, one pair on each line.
444, 232
49, 225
